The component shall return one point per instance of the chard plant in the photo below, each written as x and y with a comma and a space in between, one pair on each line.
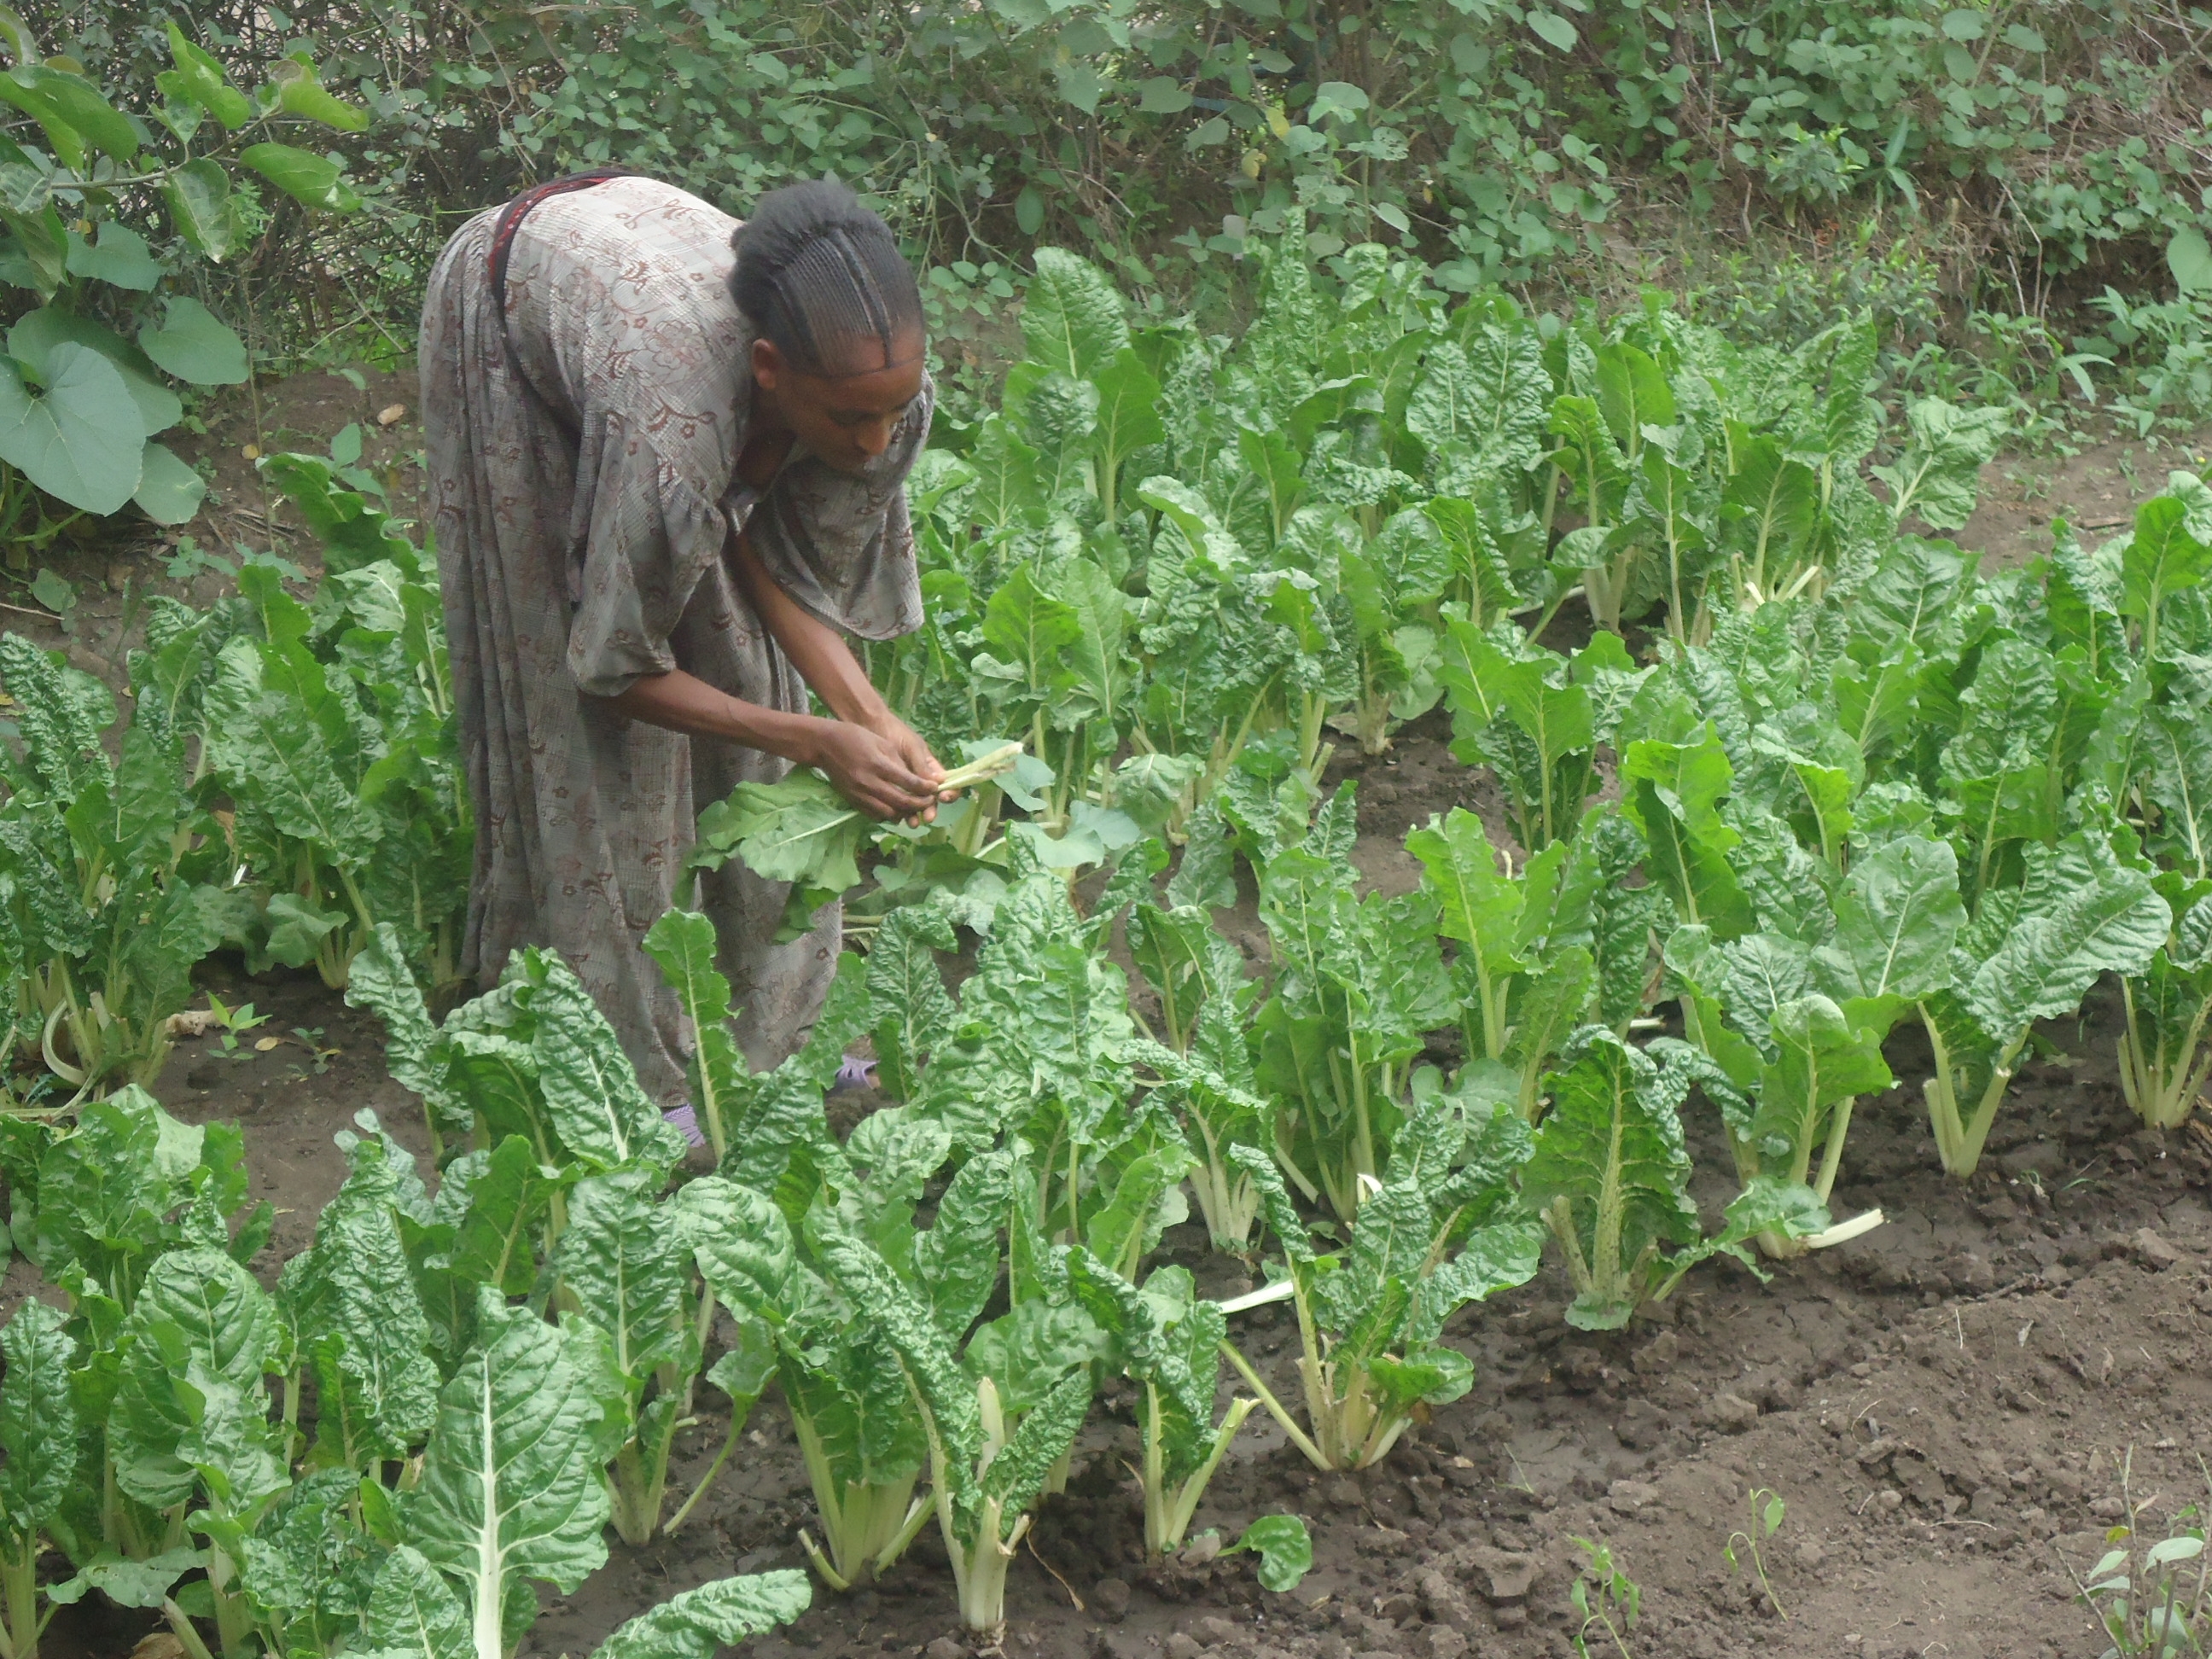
98, 1207
116, 884
376, 624
1359, 984
531, 1057
1789, 1035
1543, 948
858, 1427
1167, 1340
986, 1465
2163, 1062
1535, 718
2031, 953
1438, 1232
1610, 1176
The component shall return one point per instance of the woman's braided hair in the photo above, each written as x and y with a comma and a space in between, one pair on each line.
818, 274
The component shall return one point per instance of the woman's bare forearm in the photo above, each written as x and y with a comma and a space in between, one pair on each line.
820, 654
677, 702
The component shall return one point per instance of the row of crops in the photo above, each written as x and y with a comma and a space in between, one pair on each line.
1840, 783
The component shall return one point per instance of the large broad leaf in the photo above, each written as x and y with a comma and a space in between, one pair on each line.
76, 117
956, 1263
169, 491
38, 1420
510, 1490
1072, 318
82, 441
316, 181
105, 1192
697, 1624
34, 337
1485, 408
198, 197
195, 345
119, 258
495, 1242
299, 92
380, 981
199, 80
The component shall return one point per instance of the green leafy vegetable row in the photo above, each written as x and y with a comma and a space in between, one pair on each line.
285, 781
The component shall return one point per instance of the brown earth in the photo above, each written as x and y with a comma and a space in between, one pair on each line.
1944, 1405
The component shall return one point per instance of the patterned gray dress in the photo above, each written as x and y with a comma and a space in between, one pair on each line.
585, 508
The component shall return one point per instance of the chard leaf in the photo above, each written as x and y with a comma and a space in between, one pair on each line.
510, 1490
196, 1346
910, 1011
902, 1322
1481, 905
696, 1624
624, 1262
1017, 1474
1938, 475
743, 1245
2112, 922
683, 942
494, 1242
1673, 792
1284, 1549
799, 829
1282, 1215
957, 1261
2159, 560
1897, 915
1072, 318
592, 1096
1821, 1060
354, 1303
1434, 1377
413, 1610
38, 1420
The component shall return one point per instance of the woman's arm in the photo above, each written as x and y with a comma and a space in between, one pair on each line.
826, 663
868, 768
876, 760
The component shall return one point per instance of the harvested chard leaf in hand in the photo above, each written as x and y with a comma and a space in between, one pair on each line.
801, 830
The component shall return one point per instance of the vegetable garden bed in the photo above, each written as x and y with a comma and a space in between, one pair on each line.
1342, 952
1919, 1328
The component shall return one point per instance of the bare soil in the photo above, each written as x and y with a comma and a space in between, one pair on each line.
1944, 1405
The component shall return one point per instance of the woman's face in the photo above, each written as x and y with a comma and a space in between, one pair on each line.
846, 419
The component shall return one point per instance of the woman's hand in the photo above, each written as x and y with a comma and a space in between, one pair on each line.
886, 775
907, 743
